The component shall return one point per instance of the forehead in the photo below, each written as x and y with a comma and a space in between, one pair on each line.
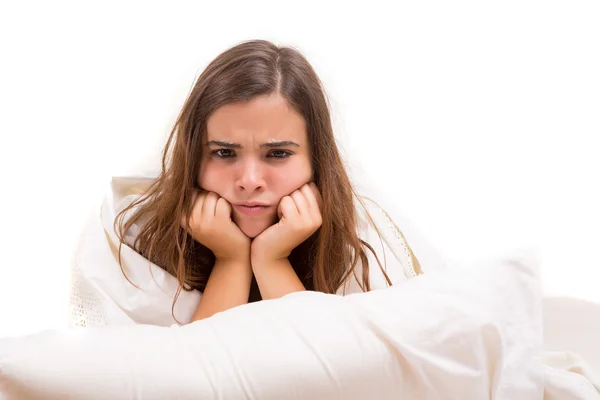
263, 118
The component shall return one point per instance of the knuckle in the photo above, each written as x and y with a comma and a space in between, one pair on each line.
224, 204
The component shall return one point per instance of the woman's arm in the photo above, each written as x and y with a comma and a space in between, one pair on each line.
228, 286
299, 217
210, 224
276, 278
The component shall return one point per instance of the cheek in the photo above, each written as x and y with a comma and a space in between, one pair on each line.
292, 177
212, 178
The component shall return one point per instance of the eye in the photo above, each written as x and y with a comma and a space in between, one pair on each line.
223, 153
279, 154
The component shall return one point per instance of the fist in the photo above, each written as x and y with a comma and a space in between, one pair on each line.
210, 224
300, 217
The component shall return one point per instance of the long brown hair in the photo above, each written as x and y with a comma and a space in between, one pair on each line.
325, 260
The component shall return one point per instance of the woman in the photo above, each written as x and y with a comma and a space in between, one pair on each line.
253, 200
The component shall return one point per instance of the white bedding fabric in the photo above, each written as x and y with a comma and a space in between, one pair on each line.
572, 357
446, 334
470, 332
102, 296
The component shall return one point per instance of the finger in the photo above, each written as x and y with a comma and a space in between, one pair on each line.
287, 208
197, 207
311, 198
317, 194
186, 217
210, 205
301, 202
223, 210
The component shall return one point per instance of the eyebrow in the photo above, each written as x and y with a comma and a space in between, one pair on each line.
271, 145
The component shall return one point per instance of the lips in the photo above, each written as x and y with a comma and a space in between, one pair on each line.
251, 209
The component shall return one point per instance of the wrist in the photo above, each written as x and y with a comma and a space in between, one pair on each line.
258, 256
263, 263
276, 278
240, 260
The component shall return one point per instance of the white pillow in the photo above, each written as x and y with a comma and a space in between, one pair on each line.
468, 332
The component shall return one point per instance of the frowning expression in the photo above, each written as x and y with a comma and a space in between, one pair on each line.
255, 153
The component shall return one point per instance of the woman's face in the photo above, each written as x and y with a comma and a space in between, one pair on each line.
255, 153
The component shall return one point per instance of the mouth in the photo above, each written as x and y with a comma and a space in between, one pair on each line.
251, 210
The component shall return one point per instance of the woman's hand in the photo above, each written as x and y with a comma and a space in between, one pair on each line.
300, 217
210, 224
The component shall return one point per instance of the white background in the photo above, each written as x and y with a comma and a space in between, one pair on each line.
477, 121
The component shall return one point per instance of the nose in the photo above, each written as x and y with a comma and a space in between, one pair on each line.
251, 177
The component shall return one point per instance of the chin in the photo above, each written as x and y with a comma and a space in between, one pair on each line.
252, 230
252, 227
